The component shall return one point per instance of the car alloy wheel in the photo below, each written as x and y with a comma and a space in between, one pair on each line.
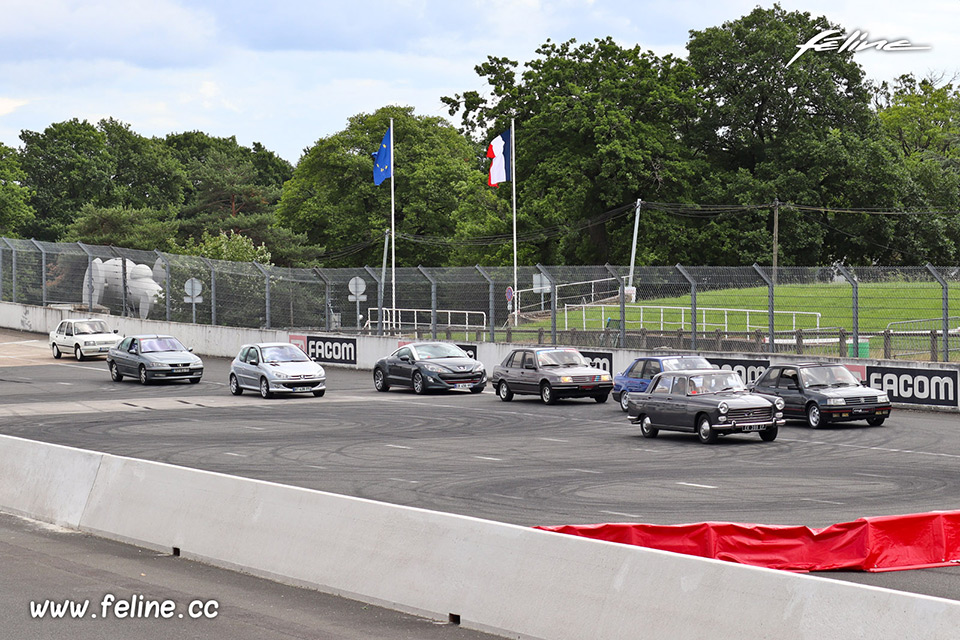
814, 417
235, 387
419, 387
624, 402
144, 379
380, 380
56, 351
265, 389
77, 353
705, 432
546, 394
115, 373
504, 391
647, 430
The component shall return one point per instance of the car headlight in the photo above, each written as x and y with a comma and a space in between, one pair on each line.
883, 398
836, 401
89, 343
479, 367
779, 404
321, 373
434, 368
279, 376
605, 378
723, 408
566, 379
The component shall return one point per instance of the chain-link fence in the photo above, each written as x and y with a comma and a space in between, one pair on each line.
879, 312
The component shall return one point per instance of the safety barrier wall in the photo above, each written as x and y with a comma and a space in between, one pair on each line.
511, 580
924, 385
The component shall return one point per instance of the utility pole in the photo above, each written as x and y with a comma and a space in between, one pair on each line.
776, 236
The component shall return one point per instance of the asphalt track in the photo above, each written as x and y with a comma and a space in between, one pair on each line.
520, 462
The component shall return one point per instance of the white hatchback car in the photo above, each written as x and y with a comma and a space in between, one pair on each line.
276, 367
83, 337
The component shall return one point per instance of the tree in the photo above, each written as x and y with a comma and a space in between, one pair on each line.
146, 229
226, 245
333, 201
597, 126
15, 209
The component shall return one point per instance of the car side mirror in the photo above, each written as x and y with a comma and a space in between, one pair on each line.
405, 358
190, 349
863, 383
530, 366
116, 330
254, 362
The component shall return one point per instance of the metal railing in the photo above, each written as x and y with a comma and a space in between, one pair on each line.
895, 312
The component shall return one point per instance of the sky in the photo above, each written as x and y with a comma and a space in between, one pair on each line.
286, 73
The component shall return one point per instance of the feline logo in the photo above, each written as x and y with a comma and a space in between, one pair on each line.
854, 42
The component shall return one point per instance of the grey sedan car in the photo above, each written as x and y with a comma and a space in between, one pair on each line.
153, 357
276, 367
552, 373
710, 403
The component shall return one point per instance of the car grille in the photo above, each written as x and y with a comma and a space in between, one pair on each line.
472, 377
863, 400
581, 379
295, 385
758, 414
180, 366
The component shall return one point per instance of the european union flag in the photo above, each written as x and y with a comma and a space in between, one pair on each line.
382, 160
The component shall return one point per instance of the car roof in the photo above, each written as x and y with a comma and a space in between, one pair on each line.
691, 372
151, 335
268, 344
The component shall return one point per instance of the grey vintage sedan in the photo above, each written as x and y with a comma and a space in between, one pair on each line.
551, 373
276, 367
153, 357
710, 403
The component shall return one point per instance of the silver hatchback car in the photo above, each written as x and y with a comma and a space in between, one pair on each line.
276, 367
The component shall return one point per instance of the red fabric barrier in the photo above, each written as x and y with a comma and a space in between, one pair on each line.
882, 543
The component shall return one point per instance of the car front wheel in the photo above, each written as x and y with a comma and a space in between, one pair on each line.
814, 417
876, 421
56, 351
624, 402
769, 435
546, 394
419, 386
235, 387
647, 430
144, 378
504, 392
380, 380
265, 389
319, 393
77, 353
705, 432
115, 373
601, 398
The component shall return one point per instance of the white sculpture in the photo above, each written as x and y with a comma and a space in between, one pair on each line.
142, 289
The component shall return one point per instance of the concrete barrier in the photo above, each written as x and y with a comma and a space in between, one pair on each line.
496, 577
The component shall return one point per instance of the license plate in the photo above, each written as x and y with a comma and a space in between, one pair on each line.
858, 410
588, 387
301, 388
461, 385
181, 371
104, 348
754, 427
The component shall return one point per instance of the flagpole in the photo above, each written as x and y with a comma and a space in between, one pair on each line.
393, 232
513, 184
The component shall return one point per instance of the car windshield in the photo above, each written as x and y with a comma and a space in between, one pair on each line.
828, 376
283, 353
678, 364
439, 350
90, 327
715, 383
153, 345
560, 358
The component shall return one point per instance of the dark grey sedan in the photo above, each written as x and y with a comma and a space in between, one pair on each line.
153, 357
710, 403
552, 374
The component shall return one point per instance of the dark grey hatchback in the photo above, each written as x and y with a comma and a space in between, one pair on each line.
552, 374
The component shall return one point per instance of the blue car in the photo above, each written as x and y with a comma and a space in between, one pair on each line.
636, 378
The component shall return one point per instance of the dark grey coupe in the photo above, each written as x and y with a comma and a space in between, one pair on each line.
550, 373
710, 403
429, 365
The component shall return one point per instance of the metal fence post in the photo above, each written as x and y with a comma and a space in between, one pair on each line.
856, 308
490, 293
1, 268
623, 305
327, 305
89, 276
43, 271
266, 280
946, 311
693, 306
373, 274
433, 301
166, 266
770, 317
553, 302
123, 280
213, 290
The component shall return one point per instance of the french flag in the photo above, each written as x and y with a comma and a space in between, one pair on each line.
500, 166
